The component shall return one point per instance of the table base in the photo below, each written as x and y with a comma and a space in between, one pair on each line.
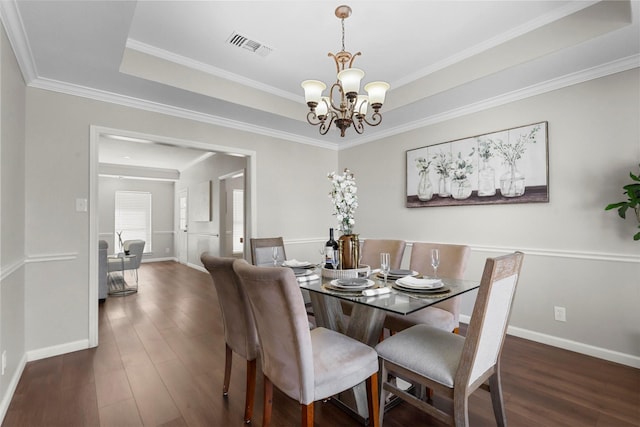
118, 287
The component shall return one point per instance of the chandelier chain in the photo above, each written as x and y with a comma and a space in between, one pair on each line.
343, 49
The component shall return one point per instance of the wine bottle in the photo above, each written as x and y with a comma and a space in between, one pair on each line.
330, 247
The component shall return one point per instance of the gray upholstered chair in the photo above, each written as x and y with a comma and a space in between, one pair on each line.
305, 365
262, 250
444, 315
372, 248
453, 365
239, 327
135, 248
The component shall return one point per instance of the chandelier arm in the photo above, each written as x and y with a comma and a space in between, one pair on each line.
376, 119
313, 119
358, 126
326, 124
335, 58
353, 57
342, 97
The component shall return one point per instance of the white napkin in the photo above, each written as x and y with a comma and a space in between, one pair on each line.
379, 291
296, 263
414, 282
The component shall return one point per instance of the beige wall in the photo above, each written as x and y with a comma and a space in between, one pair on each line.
578, 255
12, 223
290, 178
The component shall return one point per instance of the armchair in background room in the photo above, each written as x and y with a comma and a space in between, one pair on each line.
131, 261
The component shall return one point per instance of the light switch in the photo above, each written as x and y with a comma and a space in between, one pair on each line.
81, 205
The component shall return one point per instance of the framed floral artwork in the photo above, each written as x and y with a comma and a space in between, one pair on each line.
507, 166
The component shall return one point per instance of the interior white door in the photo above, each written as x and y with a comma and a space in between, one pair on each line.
183, 226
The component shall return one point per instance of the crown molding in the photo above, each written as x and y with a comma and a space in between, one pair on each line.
210, 69
603, 70
156, 107
556, 14
12, 21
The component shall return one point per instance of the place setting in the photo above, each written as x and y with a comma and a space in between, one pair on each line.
356, 286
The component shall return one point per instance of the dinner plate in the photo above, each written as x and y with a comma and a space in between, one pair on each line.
397, 274
352, 284
441, 289
414, 283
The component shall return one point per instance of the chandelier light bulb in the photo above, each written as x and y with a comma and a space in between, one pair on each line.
350, 81
377, 92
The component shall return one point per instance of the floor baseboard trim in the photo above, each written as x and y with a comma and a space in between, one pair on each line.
11, 389
578, 347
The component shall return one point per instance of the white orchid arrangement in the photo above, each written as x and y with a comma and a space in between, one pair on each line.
344, 198
461, 167
423, 165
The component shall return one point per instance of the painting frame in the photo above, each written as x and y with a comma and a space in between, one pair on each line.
501, 167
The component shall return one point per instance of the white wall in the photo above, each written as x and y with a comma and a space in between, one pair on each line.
578, 256
204, 236
12, 223
162, 224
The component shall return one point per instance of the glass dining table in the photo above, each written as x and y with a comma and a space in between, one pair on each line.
366, 320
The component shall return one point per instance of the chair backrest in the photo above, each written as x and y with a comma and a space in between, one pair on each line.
283, 328
262, 250
239, 327
135, 247
372, 248
489, 320
453, 263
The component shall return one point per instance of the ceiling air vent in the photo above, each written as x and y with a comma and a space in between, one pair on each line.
239, 40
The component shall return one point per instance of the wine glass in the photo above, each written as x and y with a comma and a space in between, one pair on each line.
335, 259
385, 264
435, 261
323, 255
274, 255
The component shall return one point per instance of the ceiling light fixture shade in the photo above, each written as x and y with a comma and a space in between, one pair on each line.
344, 106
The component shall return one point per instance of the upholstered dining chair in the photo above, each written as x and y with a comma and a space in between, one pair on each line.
135, 249
444, 315
306, 365
262, 250
449, 363
240, 334
372, 248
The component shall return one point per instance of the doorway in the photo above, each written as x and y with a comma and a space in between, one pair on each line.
182, 236
96, 133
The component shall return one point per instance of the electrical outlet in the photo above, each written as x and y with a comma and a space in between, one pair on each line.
4, 361
560, 314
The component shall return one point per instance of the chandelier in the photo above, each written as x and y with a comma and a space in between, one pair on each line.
344, 106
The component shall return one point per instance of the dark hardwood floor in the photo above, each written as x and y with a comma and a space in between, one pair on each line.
160, 363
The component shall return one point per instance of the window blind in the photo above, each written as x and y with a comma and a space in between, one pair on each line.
133, 217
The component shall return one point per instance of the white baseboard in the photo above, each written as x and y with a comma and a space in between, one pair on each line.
197, 267
578, 347
145, 260
11, 389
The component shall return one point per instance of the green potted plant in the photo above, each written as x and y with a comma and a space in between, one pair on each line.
633, 201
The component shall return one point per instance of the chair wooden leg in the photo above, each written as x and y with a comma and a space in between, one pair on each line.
460, 409
228, 359
307, 415
383, 379
372, 400
268, 402
251, 390
495, 388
